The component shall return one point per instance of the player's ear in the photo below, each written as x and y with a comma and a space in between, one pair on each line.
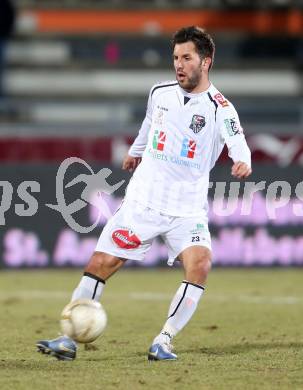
206, 63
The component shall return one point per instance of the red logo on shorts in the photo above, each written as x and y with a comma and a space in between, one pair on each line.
126, 239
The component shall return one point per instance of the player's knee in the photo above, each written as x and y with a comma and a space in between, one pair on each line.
200, 267
203, 264
100, 260
197, 264
103, 259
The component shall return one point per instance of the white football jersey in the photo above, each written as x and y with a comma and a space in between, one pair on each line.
180, 140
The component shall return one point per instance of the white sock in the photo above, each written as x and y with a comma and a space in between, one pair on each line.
90, 287
182, 308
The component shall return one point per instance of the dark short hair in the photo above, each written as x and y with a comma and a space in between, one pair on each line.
203, 42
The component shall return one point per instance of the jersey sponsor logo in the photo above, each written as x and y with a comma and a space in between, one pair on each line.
173, 159
221, 100
159, 139
232, 126
126, 239
188, 148
197, 123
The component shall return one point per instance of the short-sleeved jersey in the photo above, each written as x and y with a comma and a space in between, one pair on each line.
180, 140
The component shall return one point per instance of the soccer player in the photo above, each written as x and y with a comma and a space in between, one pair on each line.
187, 124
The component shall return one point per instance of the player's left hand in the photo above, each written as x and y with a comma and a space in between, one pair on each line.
130, 163
240, 170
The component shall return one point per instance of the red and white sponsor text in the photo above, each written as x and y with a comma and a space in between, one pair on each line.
126, 239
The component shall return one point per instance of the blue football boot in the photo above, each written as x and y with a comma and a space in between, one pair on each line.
63, 348
161, 349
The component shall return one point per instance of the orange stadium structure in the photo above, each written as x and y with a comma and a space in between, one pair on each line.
165, 21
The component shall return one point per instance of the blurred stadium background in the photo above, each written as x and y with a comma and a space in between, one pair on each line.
75, 79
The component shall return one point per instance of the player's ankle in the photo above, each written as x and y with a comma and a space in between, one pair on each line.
165, 336
169, 331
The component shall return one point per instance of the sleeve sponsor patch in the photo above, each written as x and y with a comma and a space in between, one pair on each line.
221, 100
233, 126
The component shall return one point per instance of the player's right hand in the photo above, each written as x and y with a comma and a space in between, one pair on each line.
130, 163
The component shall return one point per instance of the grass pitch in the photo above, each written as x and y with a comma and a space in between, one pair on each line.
247, 332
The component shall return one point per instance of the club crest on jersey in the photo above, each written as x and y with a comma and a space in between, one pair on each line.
197, 123
188, 148
159, 139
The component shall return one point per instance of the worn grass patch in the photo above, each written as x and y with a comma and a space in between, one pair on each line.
247, 332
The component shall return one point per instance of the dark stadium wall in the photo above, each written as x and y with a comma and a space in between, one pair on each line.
35, 235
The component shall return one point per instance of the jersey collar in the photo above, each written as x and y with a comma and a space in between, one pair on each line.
196, 95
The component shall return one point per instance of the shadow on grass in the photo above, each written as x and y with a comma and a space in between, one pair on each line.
31, 364
234, 349
49, 363
246, 347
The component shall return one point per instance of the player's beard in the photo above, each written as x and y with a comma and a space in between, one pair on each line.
190, 83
